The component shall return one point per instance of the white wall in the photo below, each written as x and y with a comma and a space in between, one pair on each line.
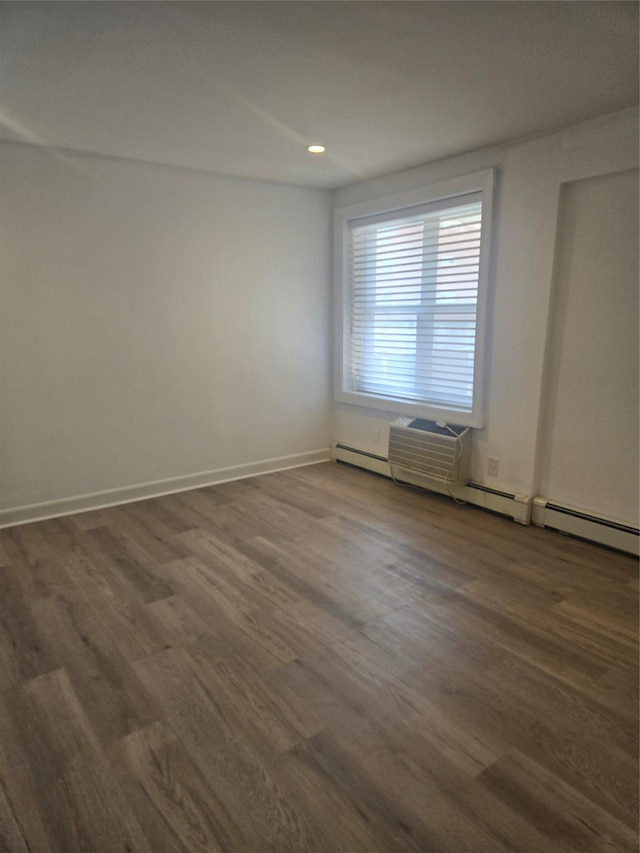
531, 174
589, 427
156, 323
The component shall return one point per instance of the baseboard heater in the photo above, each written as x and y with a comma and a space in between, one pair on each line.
579, 523
517, 507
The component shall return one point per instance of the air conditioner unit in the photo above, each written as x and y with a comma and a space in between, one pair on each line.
441, 453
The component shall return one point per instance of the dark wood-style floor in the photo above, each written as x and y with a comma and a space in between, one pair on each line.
316, 660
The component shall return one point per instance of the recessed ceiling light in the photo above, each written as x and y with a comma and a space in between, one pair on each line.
316, 149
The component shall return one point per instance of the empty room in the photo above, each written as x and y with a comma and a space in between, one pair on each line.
319, 427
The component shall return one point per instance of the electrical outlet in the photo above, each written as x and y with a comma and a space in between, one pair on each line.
492, 466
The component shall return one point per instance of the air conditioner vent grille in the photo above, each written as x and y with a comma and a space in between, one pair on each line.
435, 453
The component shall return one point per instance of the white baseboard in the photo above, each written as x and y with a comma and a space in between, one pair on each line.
578, 522
157, 488
518, 507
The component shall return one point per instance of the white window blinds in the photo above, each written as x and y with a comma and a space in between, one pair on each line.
413, 279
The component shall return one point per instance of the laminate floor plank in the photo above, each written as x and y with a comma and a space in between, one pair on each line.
110, 605
131, 559
183, 625
530, 640
481, 704
227, 520
111, 695
24, 650
4, 556
342, 579
294, 572
21, 822
129, 527
617, 624
335, 821
238, 572
570, 820
169, 796
37, 567
619, 688
293, 493
282, 521
237, 618
314, 661
424, 818
215, 741
77, 793
458, 744
533, 609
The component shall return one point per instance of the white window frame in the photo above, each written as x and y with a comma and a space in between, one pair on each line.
395, 204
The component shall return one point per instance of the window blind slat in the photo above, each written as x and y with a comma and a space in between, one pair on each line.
423, 246
414, 268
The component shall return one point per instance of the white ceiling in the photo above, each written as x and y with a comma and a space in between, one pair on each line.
242, 87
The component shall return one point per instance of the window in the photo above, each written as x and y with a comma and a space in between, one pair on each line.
412, 295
